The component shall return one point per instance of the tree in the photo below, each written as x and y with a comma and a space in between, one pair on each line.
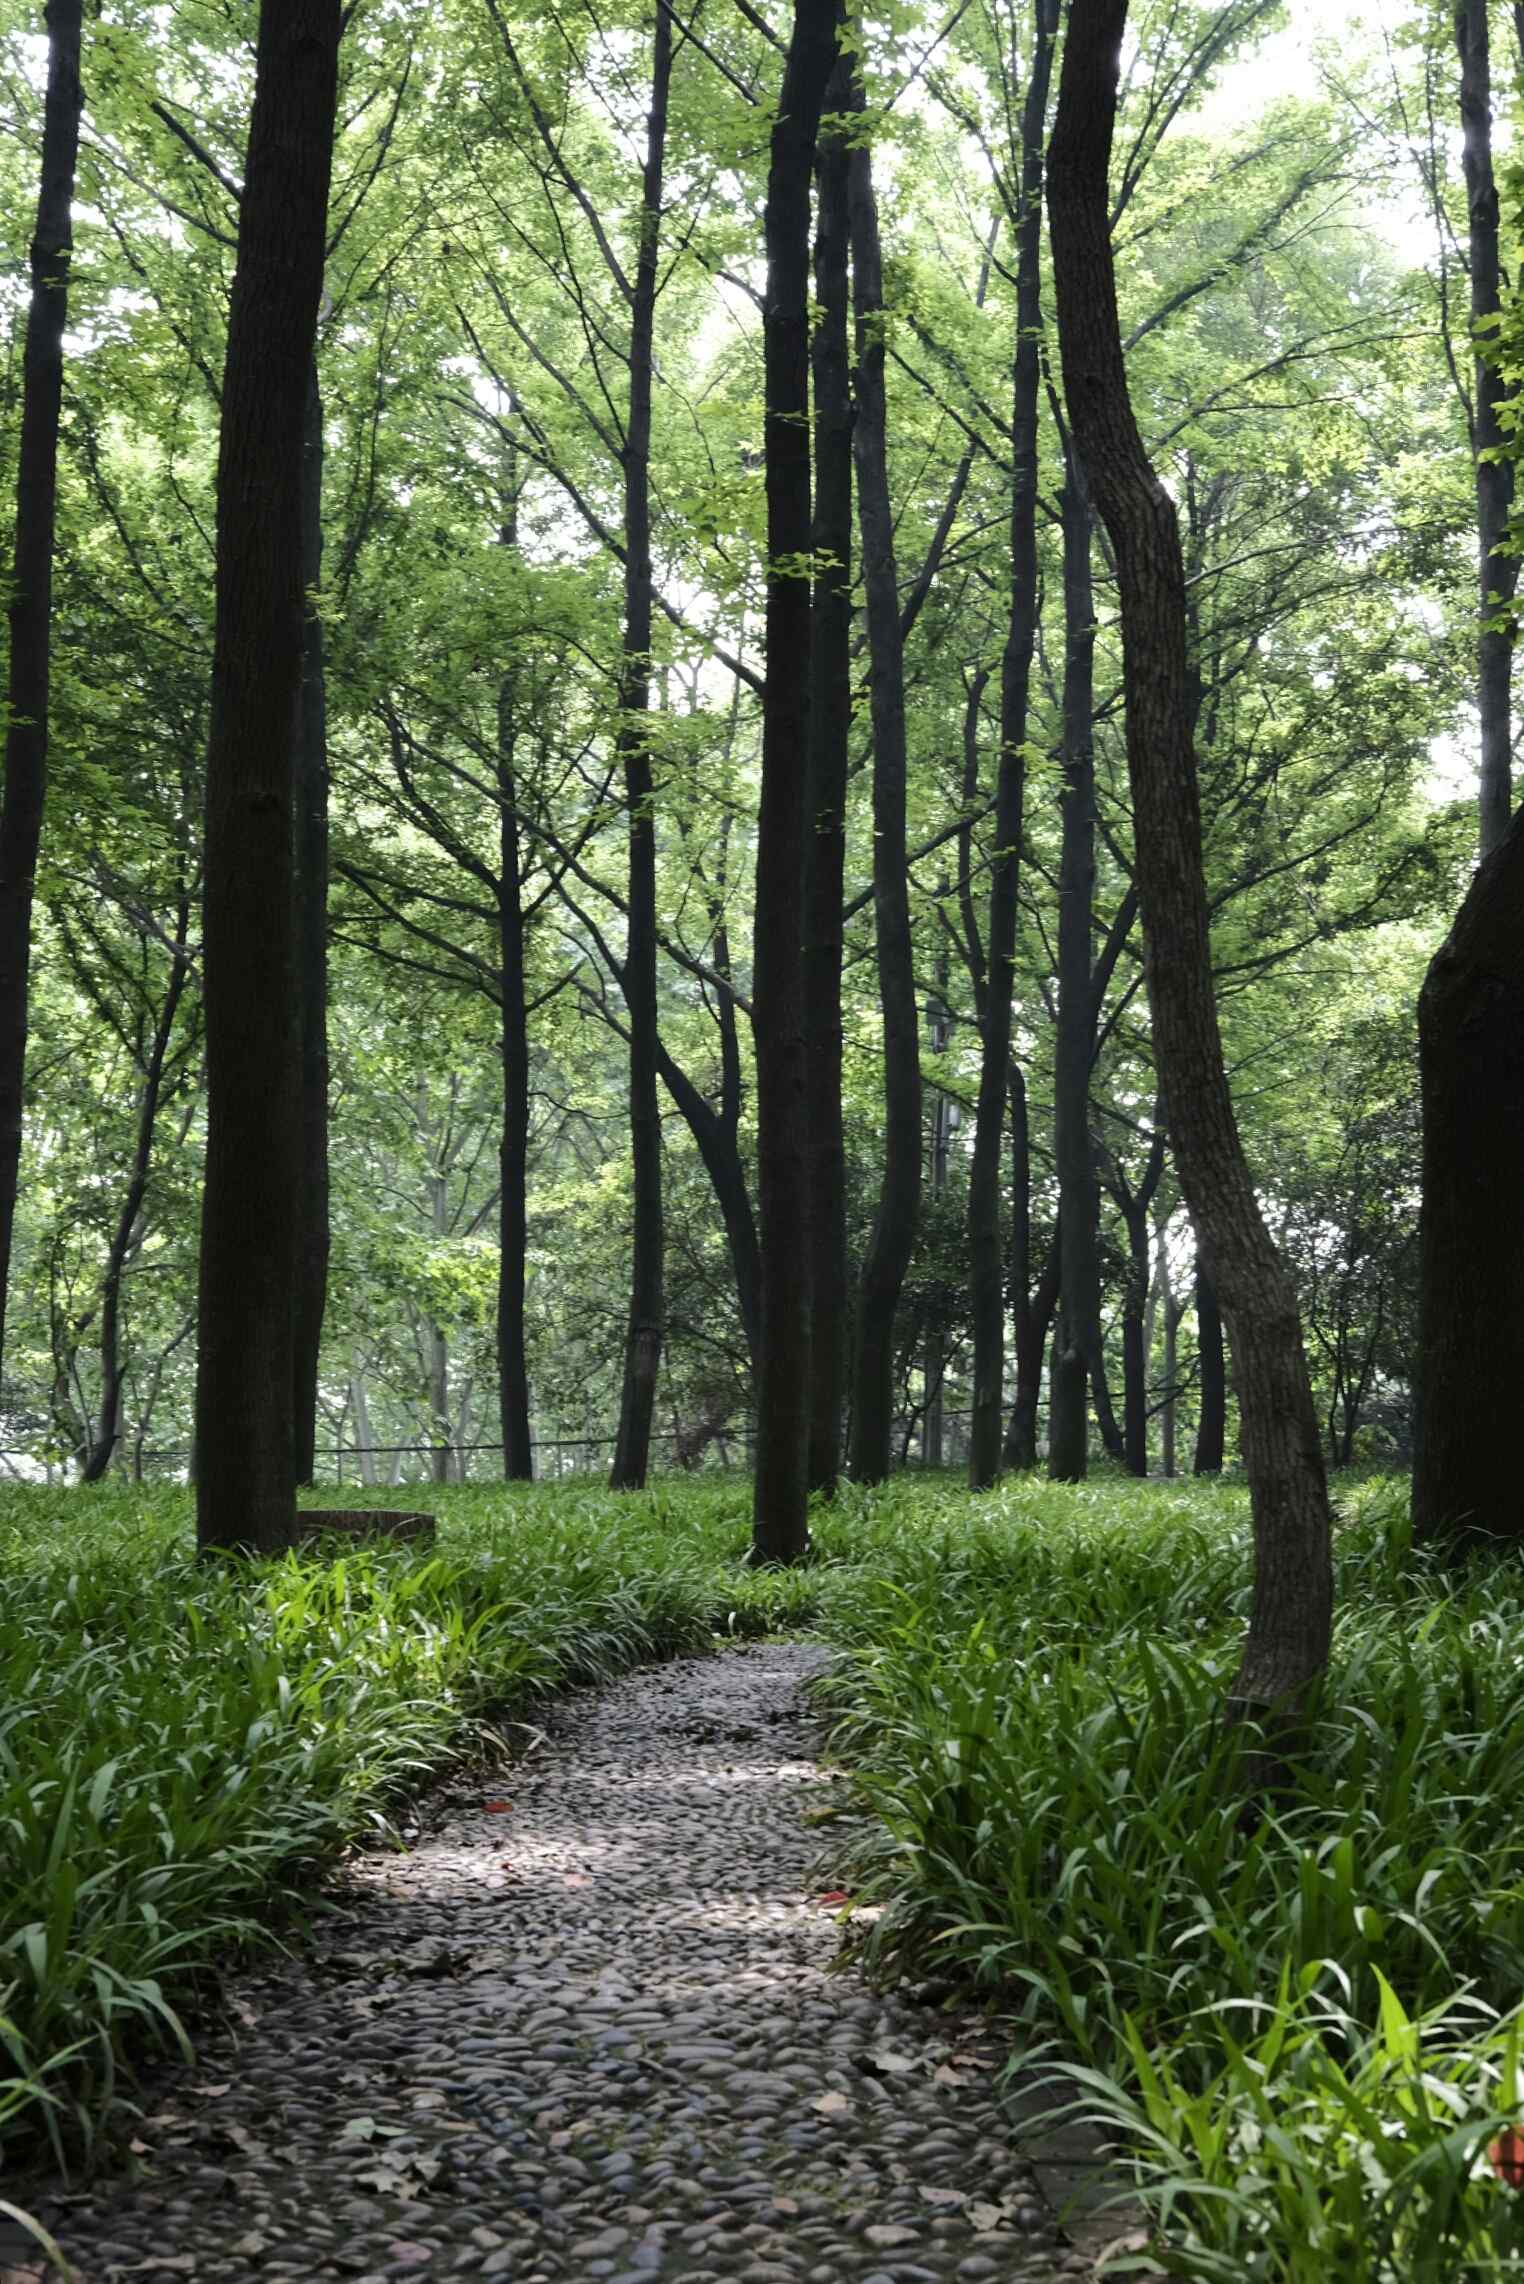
781, 1487
30, 605
245, 1352
1291, 1618
894, 1225
1471, 1232
1497, 571
986, 1251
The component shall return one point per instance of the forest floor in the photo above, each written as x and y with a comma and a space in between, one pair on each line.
586, 2026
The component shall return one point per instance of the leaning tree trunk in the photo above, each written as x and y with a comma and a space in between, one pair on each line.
899, 1202
1497, 574
1466, 1482
1079, 1298
30, 608
1212, 1380
632, 1449
830, 727
780, 1531
986, 1264
245, 1371
1290, 1622
311, 850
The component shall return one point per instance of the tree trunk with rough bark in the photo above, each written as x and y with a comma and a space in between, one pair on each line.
1079, 1300
1212, 1375
632, 1449
1497, 575
899, 1204
830, 726
245, 1497
513, 1144
1467, 1488
1291, 1617
780, 1530
987, 1282
311, 857
30, 607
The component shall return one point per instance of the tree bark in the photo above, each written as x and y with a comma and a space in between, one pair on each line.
1497, 575
830, 725
1212, 1380
899, 1203
513, 1144
1291, 1617
1079, 1300
108, 1426
311, 851
780, 1531
1032, 1327
632, 1449
245, 1371
1467, 1488
986, 1254
30, 608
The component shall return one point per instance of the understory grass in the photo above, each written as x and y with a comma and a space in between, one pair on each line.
182, 1746
1302, 2030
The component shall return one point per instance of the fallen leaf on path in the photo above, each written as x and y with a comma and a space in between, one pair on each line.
944, 2197
496, 1807
831, 2105
834, 1897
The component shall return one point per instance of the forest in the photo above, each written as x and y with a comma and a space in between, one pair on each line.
758, 830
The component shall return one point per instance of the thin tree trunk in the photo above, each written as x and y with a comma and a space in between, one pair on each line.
311, 857
1136, 1344
1467, 1487
30, 607
513, 1143
1212, 1375
986, 1261
780, 1530
1291, 1617
245, 1372
1170, 1310
830, 725
632, 1449
1497, 574
899, 1203
1032, 1327
109, 1421
1079, 1304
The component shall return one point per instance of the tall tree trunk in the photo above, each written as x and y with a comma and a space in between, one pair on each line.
30, 608
780, 1531
1169, 1309
985, 1251
1135, 1344
245, 1373
513, 1142
311, 854
899, 1203
1033, 1322
1079, 1302
632, 1449
1466, 1481
1212, 1376
125, 1236
830, 726
1291, 1617
1497, 575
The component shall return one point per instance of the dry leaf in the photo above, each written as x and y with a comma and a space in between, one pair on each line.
831, 2105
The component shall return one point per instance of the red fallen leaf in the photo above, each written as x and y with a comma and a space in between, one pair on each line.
1506, 2156
496, 1807
834, 1897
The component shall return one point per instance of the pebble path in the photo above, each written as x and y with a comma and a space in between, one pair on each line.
587, 2029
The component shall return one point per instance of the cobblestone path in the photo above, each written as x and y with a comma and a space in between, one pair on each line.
587, 2030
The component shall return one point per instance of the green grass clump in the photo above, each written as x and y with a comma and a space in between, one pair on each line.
1306, 2025
182, 1745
